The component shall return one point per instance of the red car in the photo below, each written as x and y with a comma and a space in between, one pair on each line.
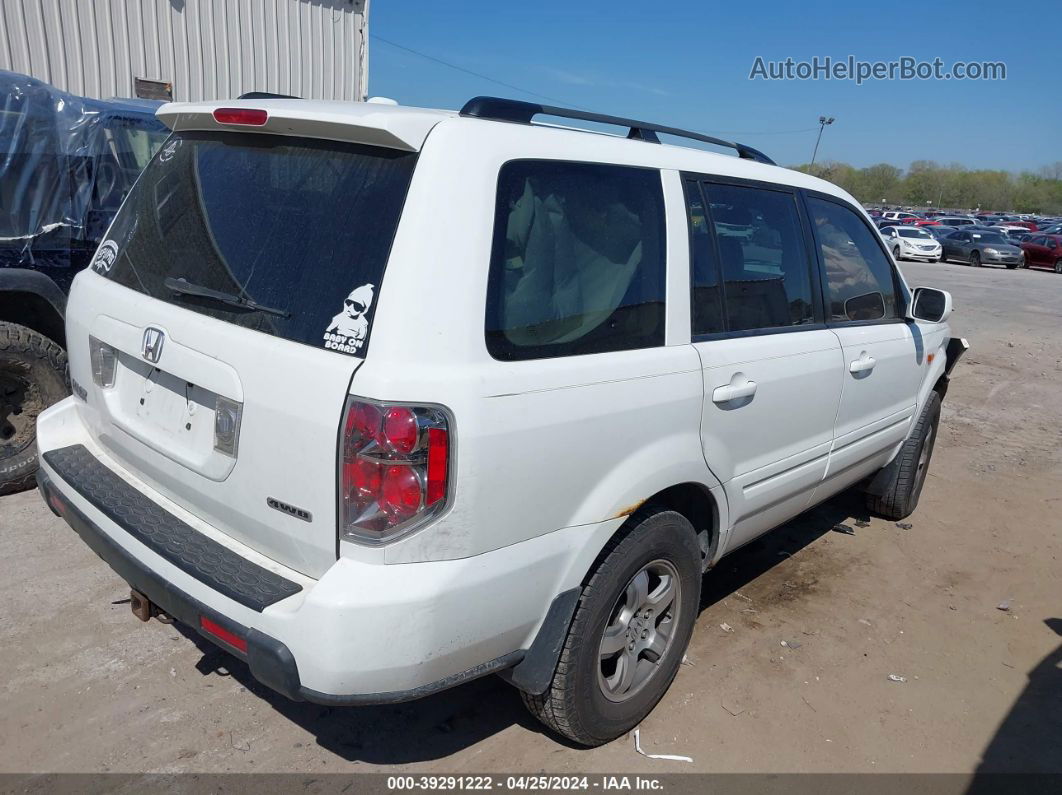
1031, 226
1043, 251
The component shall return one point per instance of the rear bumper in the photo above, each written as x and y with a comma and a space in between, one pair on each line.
270, 661
365, 632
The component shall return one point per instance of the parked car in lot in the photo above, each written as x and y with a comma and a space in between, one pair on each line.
977, 248
66, 164
300, 429
954, 221
1043, 251
908, 242
939, 232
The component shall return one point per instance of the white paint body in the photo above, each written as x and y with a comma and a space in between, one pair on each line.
551, 454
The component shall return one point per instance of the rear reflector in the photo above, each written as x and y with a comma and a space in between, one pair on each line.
253, 117
222, 634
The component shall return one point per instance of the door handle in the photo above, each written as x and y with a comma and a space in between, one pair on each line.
862, 364
724, 394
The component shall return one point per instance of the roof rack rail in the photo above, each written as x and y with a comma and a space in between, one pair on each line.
265, 95
499, 109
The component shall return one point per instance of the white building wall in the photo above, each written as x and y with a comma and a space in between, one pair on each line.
207, 49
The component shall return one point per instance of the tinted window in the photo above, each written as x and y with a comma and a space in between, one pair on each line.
764, 265
297, 225
856, 267
707, 295
577, 264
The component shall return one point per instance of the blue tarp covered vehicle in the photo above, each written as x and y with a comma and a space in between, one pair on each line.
66, 163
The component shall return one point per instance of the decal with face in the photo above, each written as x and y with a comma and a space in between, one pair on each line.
106, 254
350, 327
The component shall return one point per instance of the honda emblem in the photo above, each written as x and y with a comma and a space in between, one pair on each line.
153, 341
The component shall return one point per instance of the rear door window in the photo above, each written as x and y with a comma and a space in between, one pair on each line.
301, 227
578, 262
764, 265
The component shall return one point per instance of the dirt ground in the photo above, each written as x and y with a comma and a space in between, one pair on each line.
87, 687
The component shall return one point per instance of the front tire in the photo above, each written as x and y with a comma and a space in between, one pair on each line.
1058, 266
629, 633
907, 474
896, 254
975, 259
32, 377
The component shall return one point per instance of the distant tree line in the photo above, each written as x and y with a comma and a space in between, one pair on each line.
929, 184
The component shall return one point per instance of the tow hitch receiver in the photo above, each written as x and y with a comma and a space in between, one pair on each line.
142, 607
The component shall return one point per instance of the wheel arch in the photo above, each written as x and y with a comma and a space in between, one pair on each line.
31, 299
696, 502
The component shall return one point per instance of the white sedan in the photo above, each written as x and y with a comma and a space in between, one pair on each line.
910, 242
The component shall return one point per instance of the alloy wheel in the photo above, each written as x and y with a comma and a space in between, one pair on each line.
639, 631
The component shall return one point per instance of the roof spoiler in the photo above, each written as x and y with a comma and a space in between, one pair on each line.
265, 95
512, 110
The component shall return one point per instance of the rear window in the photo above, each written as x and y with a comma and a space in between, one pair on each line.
301, 228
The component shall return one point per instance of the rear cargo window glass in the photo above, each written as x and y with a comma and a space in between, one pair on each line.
301, 228
578, 260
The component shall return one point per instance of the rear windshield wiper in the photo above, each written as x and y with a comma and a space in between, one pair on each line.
184, 287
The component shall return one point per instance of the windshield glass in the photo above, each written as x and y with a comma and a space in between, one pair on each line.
913, 232
302, 227
990, 238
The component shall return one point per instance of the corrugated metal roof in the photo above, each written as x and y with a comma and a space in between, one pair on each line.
207, 49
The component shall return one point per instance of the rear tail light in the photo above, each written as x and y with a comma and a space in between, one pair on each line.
253, 117
104, 360
394, 468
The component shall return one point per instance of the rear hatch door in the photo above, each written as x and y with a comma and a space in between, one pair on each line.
226, 312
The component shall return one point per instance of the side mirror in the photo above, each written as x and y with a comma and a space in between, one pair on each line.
930, 305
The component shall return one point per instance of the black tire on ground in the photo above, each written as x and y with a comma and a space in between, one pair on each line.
575, 704
975, 259
1058, 266
896, 254
899, 497
32, 377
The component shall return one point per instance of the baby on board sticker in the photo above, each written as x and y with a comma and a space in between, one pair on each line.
349, 328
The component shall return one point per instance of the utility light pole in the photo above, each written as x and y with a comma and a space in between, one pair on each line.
823, 121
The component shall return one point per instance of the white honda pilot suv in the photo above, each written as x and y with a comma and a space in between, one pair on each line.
382, 399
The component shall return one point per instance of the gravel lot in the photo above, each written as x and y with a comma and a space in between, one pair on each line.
87, 687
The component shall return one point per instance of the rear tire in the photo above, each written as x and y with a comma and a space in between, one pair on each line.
586, 701
899, 497
32, 377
